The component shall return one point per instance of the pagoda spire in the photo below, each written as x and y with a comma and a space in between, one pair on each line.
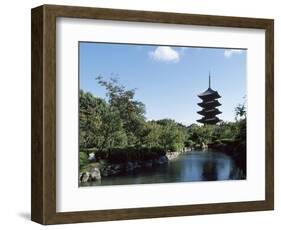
209, 80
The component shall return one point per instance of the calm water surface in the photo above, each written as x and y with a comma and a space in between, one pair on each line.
189, 166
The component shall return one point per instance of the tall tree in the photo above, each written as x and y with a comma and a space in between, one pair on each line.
130, 110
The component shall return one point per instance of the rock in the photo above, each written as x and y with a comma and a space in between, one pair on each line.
204, 146
110, 170
172, 155
162, 160
117, 167
92, 157
85, 177
95, 174
104, 172
91, 174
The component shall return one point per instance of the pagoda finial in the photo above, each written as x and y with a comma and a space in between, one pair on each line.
209, 79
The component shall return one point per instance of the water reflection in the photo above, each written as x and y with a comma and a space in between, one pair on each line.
190, 166
209, 171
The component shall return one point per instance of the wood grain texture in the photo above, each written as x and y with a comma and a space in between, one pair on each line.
43, 207
269, 113
37, 115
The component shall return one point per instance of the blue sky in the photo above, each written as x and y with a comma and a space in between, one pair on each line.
167, 79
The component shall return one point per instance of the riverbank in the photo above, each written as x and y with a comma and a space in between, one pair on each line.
101, 168
234, 148
195, 165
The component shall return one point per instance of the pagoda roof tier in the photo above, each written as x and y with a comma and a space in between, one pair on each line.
209, 112
209, 104
210, 121
209, 93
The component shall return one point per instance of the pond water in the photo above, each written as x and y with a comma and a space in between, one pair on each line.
189, 166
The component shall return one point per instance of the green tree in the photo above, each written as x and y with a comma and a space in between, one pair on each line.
171, 136
130, 111
152, 138
100, 125
240, 111
90, 119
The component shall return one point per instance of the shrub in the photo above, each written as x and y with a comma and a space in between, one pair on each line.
88, 150
122, 155
83, 159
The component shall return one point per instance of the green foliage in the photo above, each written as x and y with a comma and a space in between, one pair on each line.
201, 134
242, 130
171, 137
130, 111
116, 128
120, 122
240, 112
83, 159
122, 155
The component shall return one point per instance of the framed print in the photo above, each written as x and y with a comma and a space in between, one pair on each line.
140, 114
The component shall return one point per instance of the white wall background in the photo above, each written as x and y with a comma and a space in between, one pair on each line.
15, 113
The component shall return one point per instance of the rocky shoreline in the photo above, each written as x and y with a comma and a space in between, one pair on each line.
173, 155
96, 170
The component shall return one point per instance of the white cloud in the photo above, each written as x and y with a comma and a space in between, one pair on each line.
165, 54
229, 52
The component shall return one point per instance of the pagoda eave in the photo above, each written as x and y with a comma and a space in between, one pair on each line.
210, 104
209, 97
205, 113
210, 121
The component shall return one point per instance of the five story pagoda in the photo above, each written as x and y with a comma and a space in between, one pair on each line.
209, 103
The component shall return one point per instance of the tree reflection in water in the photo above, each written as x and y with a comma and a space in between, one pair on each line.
209, 171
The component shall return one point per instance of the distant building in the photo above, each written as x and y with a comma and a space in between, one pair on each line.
209, 106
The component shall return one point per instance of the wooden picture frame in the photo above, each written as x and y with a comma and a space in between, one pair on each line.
43, 188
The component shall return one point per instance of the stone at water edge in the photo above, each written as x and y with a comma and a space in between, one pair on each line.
85, 177
95, 174
117, 167
162, 160
92, 157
